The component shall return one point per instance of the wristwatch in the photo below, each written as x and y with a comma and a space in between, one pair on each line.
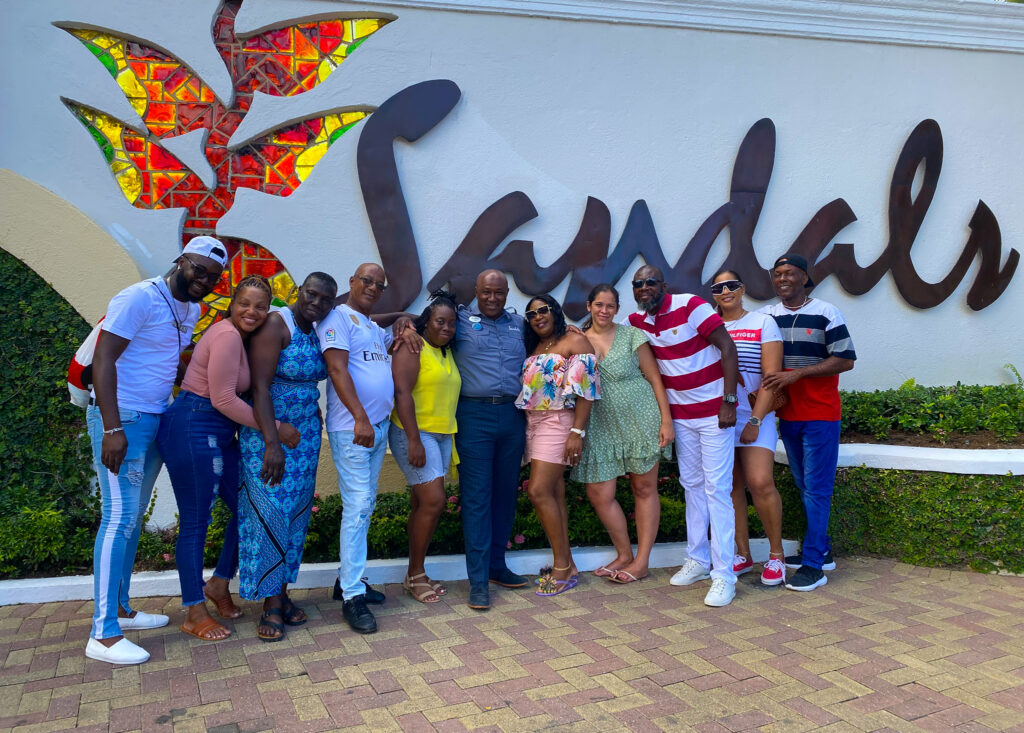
754, 420
730, 399
579, 431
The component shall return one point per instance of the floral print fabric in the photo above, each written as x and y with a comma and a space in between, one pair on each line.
553, 382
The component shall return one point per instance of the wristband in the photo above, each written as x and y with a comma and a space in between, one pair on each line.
113, 430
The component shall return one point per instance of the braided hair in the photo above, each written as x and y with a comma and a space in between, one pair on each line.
438, 299
252, 281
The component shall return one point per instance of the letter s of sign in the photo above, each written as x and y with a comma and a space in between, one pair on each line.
409, 115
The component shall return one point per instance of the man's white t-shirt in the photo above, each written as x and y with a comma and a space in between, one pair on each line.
158, 329
369, 364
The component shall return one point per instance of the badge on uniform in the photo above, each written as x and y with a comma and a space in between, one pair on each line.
354, 319
477, 327
474, 319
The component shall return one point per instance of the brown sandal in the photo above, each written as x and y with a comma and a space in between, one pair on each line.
429, 595
226, 607
202, 629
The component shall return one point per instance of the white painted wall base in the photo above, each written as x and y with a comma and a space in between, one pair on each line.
910, 458
322, 575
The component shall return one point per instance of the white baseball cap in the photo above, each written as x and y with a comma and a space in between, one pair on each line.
207, 246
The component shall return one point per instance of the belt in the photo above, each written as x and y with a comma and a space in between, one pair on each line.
489, 400
92, 401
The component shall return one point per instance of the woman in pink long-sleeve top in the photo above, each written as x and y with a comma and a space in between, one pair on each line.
198, 441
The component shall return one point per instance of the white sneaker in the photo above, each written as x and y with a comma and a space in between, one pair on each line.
690, 573
143, 620
721, 594
123, 652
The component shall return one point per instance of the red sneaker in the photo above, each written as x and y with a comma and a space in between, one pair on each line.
742, 565
774, 571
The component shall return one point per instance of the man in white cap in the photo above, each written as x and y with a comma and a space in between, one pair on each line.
135, 364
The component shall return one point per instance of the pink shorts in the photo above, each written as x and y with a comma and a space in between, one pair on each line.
546, 433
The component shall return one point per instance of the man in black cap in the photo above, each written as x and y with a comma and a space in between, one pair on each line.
816, 348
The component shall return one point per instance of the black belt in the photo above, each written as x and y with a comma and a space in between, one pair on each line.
489, 400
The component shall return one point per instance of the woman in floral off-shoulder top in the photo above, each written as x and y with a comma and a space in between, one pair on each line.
560, 384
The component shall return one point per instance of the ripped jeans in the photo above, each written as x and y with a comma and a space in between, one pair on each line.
200, 451
125, 499
358, 470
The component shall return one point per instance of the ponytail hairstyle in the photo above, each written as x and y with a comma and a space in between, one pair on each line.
735, 276
594, 292
252, 281
438, 299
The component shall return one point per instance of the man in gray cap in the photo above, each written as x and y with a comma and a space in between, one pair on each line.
816, 348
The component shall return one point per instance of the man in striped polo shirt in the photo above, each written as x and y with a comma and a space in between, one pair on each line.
816, 348
697, 361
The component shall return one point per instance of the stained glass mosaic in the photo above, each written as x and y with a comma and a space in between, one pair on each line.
172, 100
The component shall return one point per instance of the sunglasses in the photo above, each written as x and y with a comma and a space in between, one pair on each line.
542, 311
368, 281
726, 285
200, 273
651, 282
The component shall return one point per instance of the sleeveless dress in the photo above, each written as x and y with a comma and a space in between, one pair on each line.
622, 436
273, 520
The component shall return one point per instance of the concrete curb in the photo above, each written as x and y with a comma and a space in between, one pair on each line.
322, 575
997, 462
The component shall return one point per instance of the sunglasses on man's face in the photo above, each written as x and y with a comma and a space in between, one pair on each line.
651, 282
542, 311
369, 281
200, 273
726, 285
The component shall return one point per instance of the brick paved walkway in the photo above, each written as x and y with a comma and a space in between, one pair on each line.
882, 646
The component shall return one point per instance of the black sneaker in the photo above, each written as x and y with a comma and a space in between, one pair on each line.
806, 578
372, 596
358, 615
797, 561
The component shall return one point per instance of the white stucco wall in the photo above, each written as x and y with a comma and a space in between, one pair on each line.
563, 108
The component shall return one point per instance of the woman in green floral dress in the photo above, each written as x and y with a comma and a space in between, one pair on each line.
629, 427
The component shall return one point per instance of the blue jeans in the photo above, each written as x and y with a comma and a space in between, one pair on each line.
125, 499
200, 451
812, 447
490, 443
358, 470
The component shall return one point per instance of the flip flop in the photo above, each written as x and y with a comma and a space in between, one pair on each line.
275, 625
290, 613
202, 629
632, 578
603, 572
226, 607
549, 586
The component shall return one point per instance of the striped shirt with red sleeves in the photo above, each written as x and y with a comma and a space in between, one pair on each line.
690, 366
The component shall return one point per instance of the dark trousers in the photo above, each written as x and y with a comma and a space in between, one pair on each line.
490, 443
200, 451
812, 448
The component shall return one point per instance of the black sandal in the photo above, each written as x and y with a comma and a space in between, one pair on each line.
276, 626
290, 612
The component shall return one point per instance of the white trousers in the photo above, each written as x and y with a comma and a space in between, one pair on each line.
705, 454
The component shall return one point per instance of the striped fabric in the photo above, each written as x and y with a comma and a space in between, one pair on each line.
809, 336
690, 366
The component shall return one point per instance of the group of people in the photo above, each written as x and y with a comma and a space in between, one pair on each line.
480, 386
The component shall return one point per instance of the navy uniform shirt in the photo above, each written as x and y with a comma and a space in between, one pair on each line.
490, 353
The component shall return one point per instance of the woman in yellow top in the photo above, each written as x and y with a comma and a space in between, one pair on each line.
422, 427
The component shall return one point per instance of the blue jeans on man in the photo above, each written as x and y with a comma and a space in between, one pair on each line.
200, 451
812, 448
490, 444
125, 499
358, 472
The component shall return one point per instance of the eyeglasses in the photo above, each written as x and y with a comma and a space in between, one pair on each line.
368, 281
651, 282
201, 273
730, 285
542, 311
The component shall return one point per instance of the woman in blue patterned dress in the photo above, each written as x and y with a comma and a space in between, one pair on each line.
277, 495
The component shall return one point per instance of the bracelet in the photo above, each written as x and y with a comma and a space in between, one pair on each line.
113, 430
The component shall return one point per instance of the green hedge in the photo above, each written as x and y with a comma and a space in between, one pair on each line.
48, 514
938, 411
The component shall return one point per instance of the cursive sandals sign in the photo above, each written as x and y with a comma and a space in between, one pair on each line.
416, 110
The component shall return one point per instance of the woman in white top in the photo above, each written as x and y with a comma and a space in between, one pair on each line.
759, 349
